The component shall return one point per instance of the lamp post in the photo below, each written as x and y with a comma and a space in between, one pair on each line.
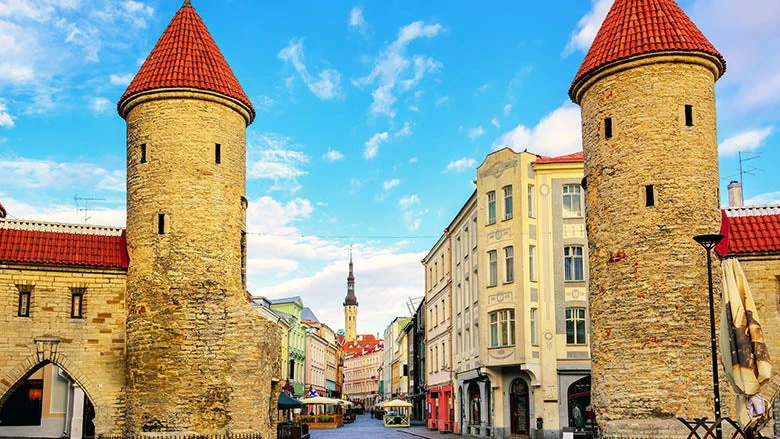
709, 242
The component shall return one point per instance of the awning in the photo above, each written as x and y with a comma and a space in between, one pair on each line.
285, 402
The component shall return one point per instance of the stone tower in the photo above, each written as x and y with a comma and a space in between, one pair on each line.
350, 306
647, 93
199, 359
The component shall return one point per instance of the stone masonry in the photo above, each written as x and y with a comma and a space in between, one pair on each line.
648, 278
90, 349
192, 364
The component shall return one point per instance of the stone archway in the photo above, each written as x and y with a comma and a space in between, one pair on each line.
47, 353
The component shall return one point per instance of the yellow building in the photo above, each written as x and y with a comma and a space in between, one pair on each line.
519, 298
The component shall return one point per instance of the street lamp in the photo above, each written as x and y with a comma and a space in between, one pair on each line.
709, 242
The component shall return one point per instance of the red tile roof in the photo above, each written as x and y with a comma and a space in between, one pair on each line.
364, 344
62, 244
187, 56
568, 158
637, 27
753, 229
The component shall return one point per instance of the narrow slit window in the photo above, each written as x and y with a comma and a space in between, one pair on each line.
649, 195
24, 303
608, 128
143, 153
77, 304
689, 115
161, 224
218, 153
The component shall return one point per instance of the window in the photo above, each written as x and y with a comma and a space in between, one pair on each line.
442, 267
508, 202
23, 309
532, 274
161, 224
531, 210
143, 153
77, 303
575, 326
217, 153
491, 207
534, 327
572, 200
509, 254
492, 268
442, 311
436, 315
689, 115
502, 328
608, 128
649, 196
572, 261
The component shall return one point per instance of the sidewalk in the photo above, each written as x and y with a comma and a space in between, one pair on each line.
425, 433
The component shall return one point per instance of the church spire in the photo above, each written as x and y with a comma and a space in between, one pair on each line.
350, 299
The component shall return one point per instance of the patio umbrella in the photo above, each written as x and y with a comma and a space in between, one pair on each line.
320, 400
396, 403
743, 350
285, 402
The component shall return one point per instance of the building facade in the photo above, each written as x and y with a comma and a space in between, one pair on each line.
417, 370
390, 359
290, 308
362, 369
438, 339
647, 93
350, 305
316, 363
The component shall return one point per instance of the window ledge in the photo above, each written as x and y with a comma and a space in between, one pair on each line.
509, 282
502, 346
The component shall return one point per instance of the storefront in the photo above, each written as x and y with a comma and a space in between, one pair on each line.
441, 409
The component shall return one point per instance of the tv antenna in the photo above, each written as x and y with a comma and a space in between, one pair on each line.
412, 303
745, 157
85, 209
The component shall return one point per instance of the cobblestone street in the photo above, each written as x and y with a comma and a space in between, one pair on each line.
366, 427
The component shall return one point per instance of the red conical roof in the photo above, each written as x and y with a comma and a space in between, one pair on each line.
637, 27
187, 56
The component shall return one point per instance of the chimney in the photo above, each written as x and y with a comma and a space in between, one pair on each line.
735, 194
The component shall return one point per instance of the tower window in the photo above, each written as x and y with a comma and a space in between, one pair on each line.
689, 115
161, 224
649, 195
217, 153
608, 128
77, 303
143, 153
24, 301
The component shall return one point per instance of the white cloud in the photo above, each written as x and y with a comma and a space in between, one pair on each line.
507, 109
494, 121
764, 199
354, 185
405, 131
474, 133
372, 145
483, 88
413, 160
409, 200
412, 213
101, 105
557, 133
5, 118
97, 214
356, 19
124, 79
587, 27
389, 184
460, 165
263, 103
49, 174
394, 72
745, 141
332, 155
327, 84
276, 157
442, 101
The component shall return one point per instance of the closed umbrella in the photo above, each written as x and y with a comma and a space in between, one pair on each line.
744, 353
285, 402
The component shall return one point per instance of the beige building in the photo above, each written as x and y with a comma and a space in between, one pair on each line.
438, 336
362, 369
391, 361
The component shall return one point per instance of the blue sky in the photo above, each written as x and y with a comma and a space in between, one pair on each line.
371, 118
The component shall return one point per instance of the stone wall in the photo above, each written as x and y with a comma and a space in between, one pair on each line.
89, 349
200, 359
648, 278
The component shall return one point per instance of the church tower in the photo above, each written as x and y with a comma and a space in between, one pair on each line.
350, 306
647, 93
199, 359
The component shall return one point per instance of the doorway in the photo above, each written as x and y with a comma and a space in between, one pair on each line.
519, 400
